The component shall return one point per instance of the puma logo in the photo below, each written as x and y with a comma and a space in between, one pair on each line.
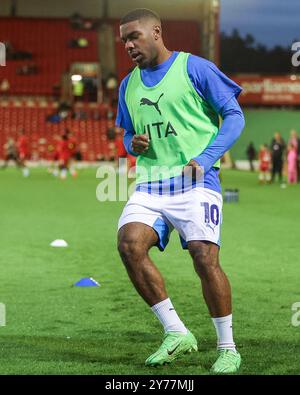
209, 226
145, 101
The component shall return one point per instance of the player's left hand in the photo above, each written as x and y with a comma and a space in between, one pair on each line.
197, 170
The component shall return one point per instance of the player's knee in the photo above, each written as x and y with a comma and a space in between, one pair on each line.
204, 262
130, 251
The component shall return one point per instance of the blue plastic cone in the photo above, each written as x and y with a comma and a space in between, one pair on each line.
87, 282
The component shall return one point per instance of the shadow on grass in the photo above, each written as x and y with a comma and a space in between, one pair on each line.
124, 353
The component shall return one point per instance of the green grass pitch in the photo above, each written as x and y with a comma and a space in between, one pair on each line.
54, 328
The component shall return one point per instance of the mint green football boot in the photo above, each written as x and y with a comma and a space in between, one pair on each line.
174, 345
228, 362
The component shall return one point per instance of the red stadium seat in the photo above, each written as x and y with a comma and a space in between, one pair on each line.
31, 117
30, 35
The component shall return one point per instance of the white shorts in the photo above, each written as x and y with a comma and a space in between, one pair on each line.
196, 215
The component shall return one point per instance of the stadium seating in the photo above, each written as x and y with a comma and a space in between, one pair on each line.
47, 40
30, 115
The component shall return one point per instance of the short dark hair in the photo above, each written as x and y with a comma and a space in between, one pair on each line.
139, 13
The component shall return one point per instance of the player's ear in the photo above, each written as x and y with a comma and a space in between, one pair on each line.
156, 32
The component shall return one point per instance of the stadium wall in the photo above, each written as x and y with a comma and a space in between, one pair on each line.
261, 124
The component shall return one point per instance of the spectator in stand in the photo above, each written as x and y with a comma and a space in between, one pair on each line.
80, 42
64, 106
89, 25
76, 21
110, 114
264, 164
15, 54
96, 116
53, 118
79, 114
22, 55
277, 150
295, 141
292, 158
4, 87
251, 155
23, 152
73, 43
79, 23
78, 90
27, 69
60, 114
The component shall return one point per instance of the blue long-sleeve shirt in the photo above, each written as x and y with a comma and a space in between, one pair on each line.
214, 87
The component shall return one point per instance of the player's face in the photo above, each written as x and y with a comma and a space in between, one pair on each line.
277, 136
138, 37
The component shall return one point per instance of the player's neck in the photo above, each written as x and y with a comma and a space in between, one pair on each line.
163, 55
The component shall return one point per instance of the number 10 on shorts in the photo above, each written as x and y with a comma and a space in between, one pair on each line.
211, 213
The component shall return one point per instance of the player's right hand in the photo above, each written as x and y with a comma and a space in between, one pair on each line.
140, 143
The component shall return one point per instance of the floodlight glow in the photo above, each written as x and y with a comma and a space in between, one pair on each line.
76, 77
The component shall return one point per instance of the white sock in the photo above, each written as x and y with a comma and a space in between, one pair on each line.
63, 174
223, 327
168, 317
25, 171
